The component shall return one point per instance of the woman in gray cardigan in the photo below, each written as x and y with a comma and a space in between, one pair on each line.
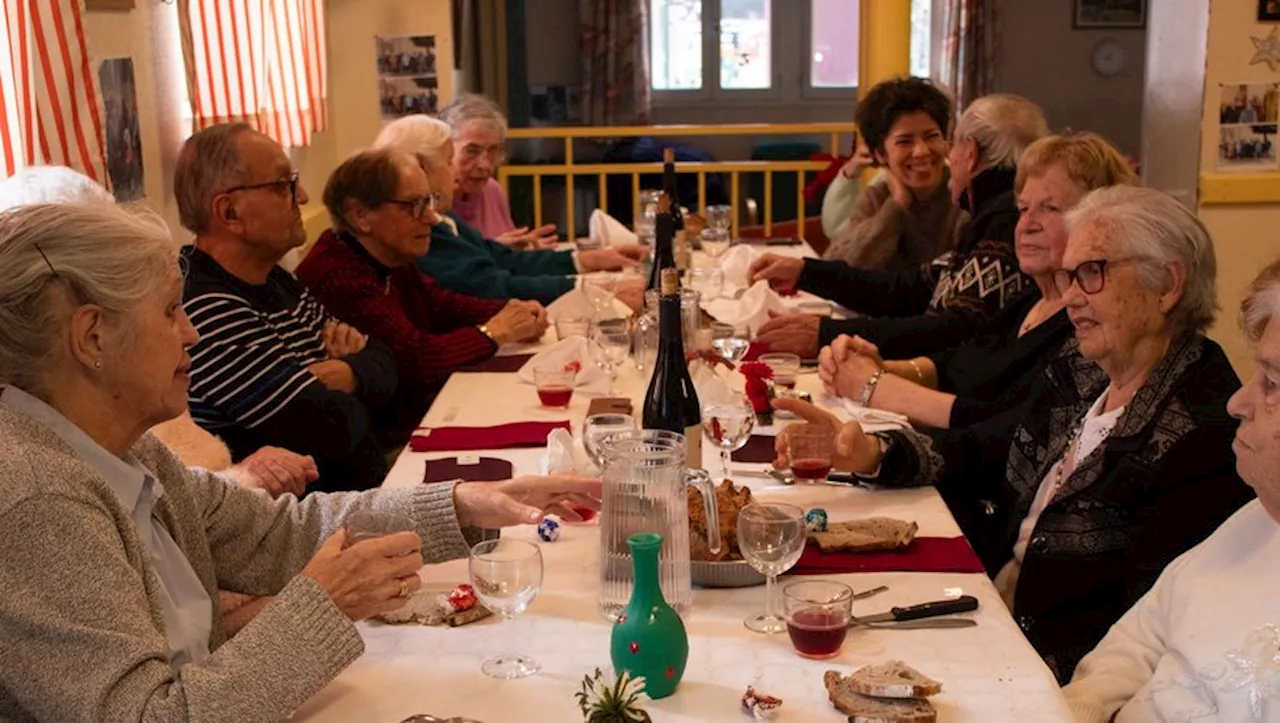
113, 550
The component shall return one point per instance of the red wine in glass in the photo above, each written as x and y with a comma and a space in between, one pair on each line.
787, 382
817, 633
811, 470
557, 397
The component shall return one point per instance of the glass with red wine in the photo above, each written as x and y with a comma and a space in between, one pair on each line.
785, 368
555, 386
817, 614
810, 447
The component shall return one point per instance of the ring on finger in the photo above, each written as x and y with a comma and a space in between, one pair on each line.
404, 587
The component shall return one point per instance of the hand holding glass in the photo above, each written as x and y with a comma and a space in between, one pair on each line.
507, 575
370, 524
771, 538
810, 447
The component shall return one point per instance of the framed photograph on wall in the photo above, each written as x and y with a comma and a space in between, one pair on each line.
1110, 14
1268, 10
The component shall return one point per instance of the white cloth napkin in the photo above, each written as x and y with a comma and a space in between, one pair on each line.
562, 454
574, 304
591, 378
609, 230
752, 310
871, 420
735, 264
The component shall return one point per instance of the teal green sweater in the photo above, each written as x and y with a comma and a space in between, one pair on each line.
469, 263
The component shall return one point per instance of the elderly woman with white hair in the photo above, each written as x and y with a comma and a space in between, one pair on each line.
114, 550
479, 142
923, 309
463, 260
1078, 498
1201, 644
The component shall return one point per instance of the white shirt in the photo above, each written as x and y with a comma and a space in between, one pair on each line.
188, 610
1202, 644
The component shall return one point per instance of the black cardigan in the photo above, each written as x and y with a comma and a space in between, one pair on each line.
1163, 481
927, 308
996, 371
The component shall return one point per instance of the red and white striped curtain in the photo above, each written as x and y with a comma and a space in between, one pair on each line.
50, 107
260, 62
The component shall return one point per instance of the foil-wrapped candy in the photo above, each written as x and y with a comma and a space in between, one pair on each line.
549, 529
462, 598
759, 706
816, 520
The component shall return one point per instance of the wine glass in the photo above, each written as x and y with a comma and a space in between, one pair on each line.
597, 429
728, 425
720, 217
771, 537
728, 343
600, 290
708, 282
615, 344
715, 242
506, 575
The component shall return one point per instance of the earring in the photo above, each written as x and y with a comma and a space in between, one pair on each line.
97, 364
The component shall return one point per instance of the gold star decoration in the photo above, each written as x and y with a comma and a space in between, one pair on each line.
1266, 49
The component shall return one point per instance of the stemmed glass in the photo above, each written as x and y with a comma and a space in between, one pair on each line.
728, 425
506, 575
728, 343
599, 428
614, 341
600, 290
771, 538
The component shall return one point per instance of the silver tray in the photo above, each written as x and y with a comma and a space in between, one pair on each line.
724, 574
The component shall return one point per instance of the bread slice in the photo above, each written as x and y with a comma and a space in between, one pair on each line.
894, 679
873, 533
866, 709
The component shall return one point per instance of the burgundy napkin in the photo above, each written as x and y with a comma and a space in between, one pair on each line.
485, 469
757, 450
754, 350
502, 436
499, 364
925, 554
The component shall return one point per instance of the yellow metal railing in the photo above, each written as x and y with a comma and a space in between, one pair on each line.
569, 170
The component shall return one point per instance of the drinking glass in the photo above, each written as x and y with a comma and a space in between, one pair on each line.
785, 368
715, 242
572, 326
810, 447
368, 524
600, 290
720, 217
728, 343
555, 386
771, 537
506, 575
817, 614
708, 282
598, 429
614, 345
728, 426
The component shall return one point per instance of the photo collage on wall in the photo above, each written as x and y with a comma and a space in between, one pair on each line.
408, 82
1248, 114
124, 142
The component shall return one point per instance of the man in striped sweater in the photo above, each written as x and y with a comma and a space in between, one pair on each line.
272, 366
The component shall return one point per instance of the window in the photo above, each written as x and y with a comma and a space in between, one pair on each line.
713, 50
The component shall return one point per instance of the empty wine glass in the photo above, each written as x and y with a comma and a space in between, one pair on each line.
708, 282
615, 345
771, 537
507, 575
720, 217
598, 429
600, 289
715, 242
728, 425
728, 343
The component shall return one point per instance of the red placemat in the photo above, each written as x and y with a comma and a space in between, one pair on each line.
925, 554
480, 469
498, 364
502, 436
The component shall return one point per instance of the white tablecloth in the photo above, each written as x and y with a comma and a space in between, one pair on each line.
989, 672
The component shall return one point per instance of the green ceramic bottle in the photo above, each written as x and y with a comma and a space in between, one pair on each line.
649, 639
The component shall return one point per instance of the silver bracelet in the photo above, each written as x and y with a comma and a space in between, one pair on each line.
870, 387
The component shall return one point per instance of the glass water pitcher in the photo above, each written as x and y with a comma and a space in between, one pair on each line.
644, 491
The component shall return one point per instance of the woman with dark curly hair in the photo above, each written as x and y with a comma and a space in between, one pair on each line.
905, 217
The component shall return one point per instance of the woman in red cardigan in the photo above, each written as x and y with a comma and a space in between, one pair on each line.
362, 270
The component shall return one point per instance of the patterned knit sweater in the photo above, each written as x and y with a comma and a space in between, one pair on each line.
81, 614
431, 331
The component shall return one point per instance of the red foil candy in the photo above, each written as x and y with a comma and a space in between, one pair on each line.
462, 597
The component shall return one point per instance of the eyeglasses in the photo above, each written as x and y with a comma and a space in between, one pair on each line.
417, 207
496, 154
291, 182
1090, 275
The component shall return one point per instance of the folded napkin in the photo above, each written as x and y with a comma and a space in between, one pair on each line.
924, 554
871, 419
591, 378
499, 364
734, 264
575, 305
751, 310
562, 454
468, 469
758, 450
608, 229
502, 436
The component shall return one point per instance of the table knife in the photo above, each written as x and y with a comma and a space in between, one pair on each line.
962, 604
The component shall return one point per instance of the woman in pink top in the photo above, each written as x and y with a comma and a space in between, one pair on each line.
479, 133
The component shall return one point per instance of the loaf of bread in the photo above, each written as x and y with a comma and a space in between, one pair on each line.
873, 533
848, 696
730, 499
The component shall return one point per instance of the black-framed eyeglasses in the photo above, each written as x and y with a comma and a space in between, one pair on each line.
291, 182
1091, 275
417, 207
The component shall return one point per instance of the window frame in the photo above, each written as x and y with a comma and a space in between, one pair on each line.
711, 93
807, 89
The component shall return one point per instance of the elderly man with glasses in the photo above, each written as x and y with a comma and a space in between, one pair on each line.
272, 366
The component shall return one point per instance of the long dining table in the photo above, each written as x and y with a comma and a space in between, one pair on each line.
989, 672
